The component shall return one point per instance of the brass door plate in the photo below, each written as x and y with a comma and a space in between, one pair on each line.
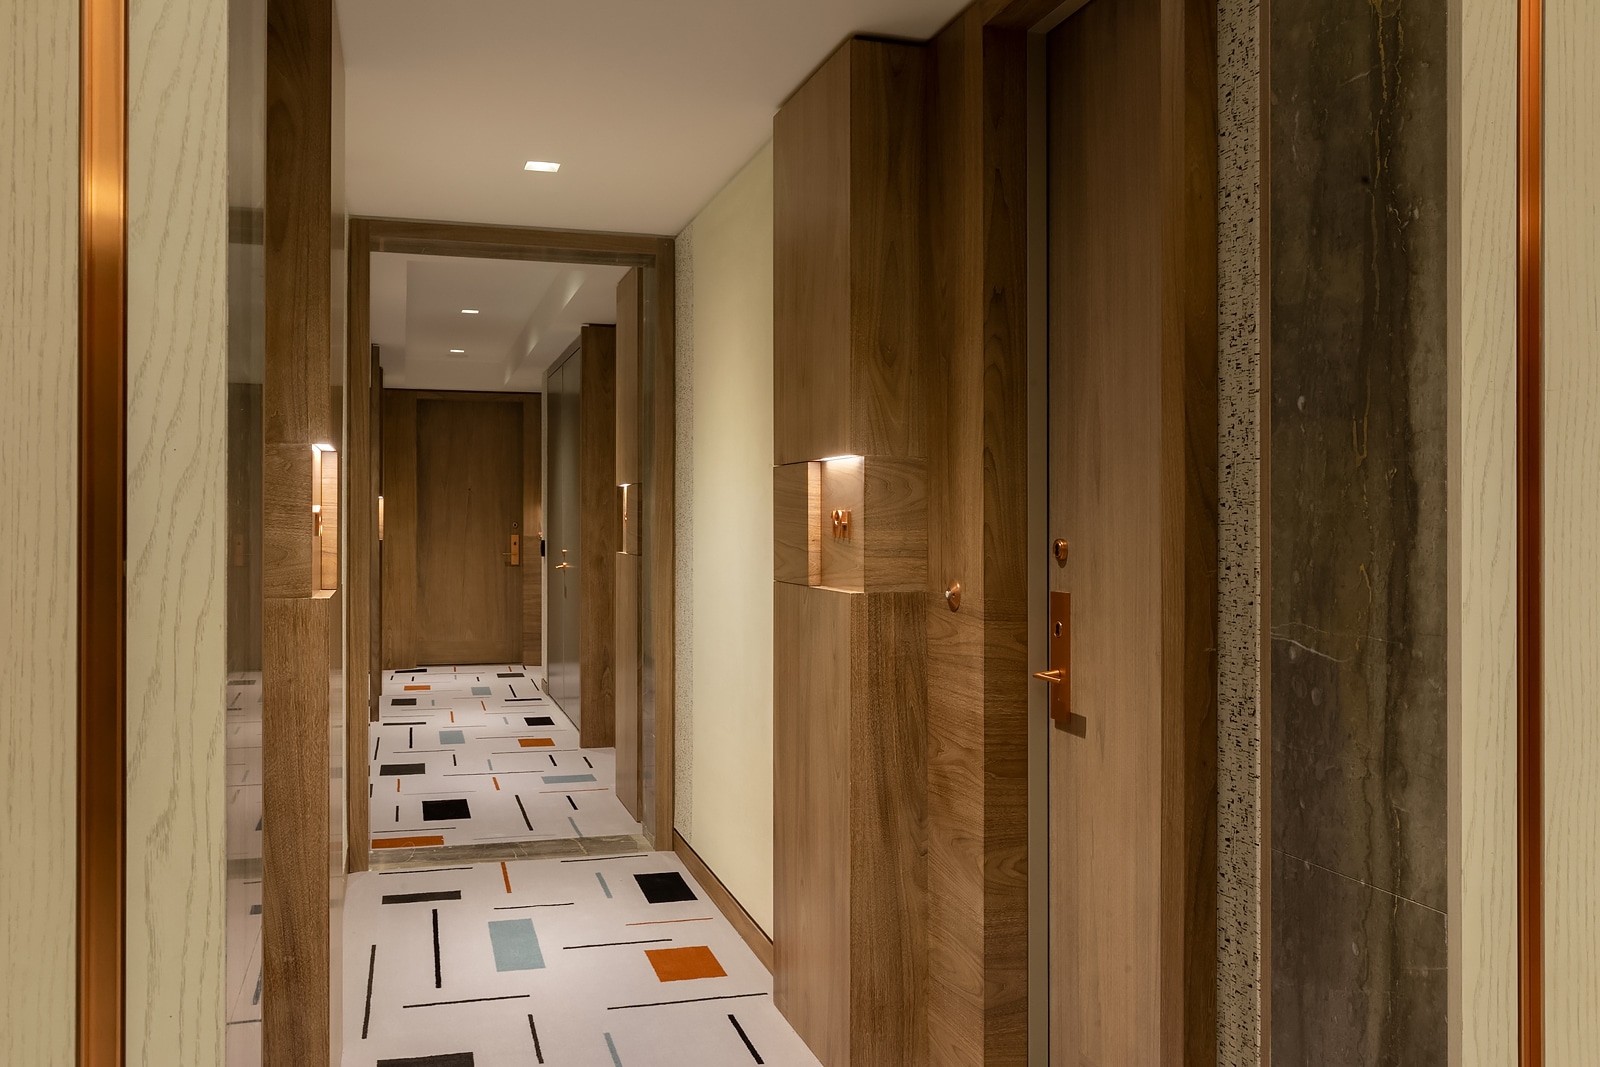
1060, 673
516, 550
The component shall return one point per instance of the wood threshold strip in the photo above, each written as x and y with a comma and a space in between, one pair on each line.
102, 530
731, 909
1530, 533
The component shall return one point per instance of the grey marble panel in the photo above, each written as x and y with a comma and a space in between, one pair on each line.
1358, 975
1358, 228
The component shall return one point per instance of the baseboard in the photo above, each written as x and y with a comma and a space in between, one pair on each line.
731, 909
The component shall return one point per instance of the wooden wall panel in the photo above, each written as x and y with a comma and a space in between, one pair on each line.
797, 523
361, 535
625, 620
811, 245
176, 579
660, 475
532, 525
245, 526
813, 638
39, 74
295, 841
597, 546
976, 523
630, 349
625, 623
894, 525
399, 459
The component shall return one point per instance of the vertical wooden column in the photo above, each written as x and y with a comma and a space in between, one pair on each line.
850, 626
597, 543
297, 625
630, 324
361, 517
977, 497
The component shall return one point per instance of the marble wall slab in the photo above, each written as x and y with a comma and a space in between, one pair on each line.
1358, 540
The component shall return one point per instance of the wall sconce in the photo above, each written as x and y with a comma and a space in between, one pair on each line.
841, 522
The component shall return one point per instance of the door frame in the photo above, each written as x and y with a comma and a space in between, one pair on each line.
420, 237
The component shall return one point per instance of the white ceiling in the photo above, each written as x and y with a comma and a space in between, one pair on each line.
528, 313
650, 106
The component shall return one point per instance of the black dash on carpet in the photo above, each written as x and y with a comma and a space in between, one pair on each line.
411, 737
408, 722
403, 702
597, 859
438, 974
483, 1000
537, 1050
418, 898
425, 870
411, 670
514, 674
449, 1059
524, 811
375, 745
366, 1016
553, 761
538, 720
746, 1039
574, 803
691, 1000
615, 944
519, 907
586, 761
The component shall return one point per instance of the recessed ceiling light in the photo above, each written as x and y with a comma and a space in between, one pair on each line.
469, 311
458, 351
548, 168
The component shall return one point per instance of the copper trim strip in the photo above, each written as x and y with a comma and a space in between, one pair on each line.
1530, 532
102, 529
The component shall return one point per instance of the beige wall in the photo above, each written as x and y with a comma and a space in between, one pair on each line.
38, 527
1572, 535
725, 771
177, 411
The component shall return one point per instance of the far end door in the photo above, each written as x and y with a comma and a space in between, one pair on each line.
469, 504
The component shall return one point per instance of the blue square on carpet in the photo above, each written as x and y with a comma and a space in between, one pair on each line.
452, 737
481, 691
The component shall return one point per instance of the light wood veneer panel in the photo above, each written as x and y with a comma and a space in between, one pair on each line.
288, 563
532, 525
660, 487
361, 535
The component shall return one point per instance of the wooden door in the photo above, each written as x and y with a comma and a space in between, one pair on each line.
1132, 443
469, 503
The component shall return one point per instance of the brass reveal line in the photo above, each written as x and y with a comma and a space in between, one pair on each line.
1530, 532
102, 528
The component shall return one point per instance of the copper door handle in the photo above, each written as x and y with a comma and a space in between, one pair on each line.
1053, 677
562, 566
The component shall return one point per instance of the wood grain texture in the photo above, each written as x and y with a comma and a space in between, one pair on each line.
660, 490
512, 242
532, 525
797, 523
469, 493
327, 551
843, 549
1133, 447
1482, 686
811, 337
177, 504
361, 537
597, 541
731, 909
295, 839
894, 525
629, 736
625, 621
975, 523
245, 526
1571, 550
813, 631
288, 563
39, 521
630, 350
399, 571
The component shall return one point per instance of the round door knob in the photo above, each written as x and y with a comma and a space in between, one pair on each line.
1059, 550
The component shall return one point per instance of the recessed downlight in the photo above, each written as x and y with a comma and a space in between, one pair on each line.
469, 311
458, 351
540, 165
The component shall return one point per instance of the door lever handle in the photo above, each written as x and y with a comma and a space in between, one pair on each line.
1053, 677
562, 566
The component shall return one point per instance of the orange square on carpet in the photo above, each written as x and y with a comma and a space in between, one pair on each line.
413, 688
536, 742
683, 964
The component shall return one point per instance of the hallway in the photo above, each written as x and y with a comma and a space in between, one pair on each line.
607, 961
467, 755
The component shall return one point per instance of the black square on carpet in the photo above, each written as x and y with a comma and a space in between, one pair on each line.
538, 720
445, 810
665, 888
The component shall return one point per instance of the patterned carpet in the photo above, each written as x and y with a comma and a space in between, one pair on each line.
589, 962
465, 755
